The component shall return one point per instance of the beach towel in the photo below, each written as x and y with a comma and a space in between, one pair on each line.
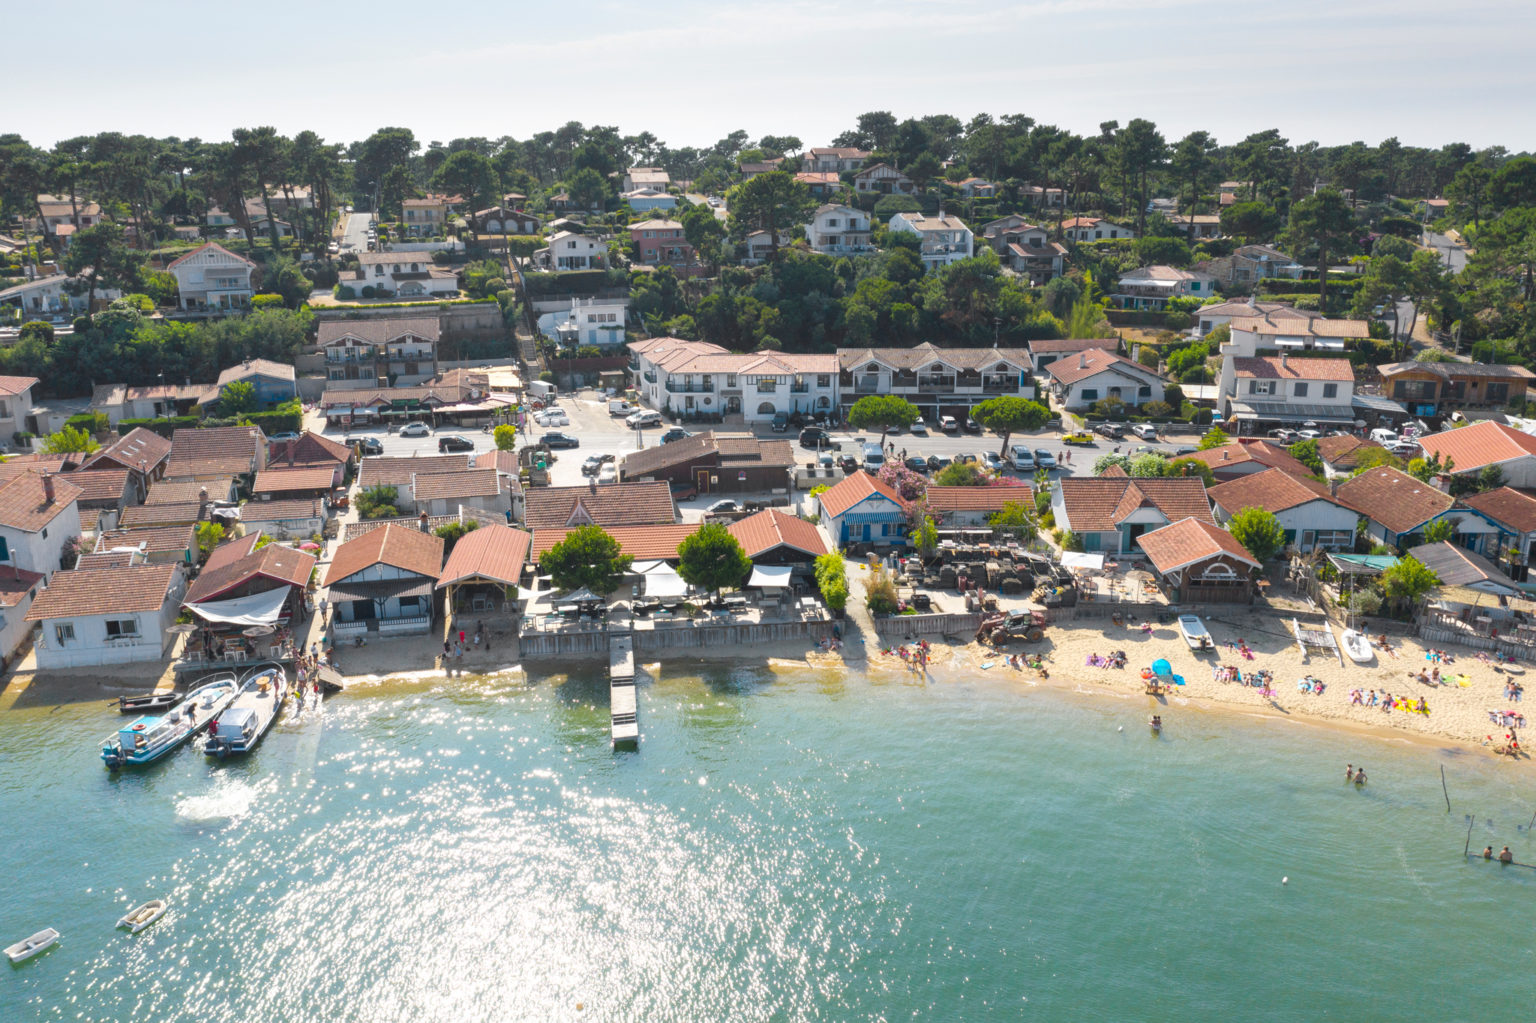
985, 665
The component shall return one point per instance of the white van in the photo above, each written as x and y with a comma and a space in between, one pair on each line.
874, 457
620, 408
542, 389
1384, 437
643, 418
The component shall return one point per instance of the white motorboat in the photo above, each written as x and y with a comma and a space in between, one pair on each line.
240, 726
1358, 646
147, 739
141, 917
40, 942
1195, 633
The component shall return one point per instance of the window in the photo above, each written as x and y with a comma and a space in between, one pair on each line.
1194, 285
1300, 390
1090, 394
64, 634
1496, 392
122, 627
5, 550
730, 380
767, 385
824, 380
1145, 391
1335, 538
1330, 390
1097, 235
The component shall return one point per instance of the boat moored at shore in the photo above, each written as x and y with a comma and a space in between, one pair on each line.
146, 739
240, 727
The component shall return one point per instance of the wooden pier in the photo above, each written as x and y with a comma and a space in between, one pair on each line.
624, 725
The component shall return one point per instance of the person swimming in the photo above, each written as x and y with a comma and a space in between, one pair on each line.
1349, 772
1360, 777
1505, 856
1157, 723
1487, 852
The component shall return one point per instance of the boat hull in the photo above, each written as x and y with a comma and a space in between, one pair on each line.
37, 944
191, 715
1358, 647
140, 917
268, 705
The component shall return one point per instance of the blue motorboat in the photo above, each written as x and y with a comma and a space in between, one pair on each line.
241, 725
148, 738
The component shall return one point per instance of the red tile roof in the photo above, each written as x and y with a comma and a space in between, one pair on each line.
219, 450
1343, 452
1099, 505
12, 386
1393, 498
140, 515
190, 491
100, 486
16, 584
280, 481
644, 543
1274, 490
1514, 508
283, 508
396, 471
397, 546
493, 551
138, 449
451, 485
157, 539
1283, 367
608, 504
281, 564
852, 489
1093, 361
1189, 541
951, 499
24, 501
760, 533
1245, 450
130, 590
1484, 443
310, 447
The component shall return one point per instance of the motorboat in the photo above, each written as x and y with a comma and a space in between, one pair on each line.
241, 725
1358, 646
149, 701
148, 738
142, 916
1195, 633
40, 942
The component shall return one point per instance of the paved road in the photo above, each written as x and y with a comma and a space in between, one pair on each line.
1452, 254
355, 239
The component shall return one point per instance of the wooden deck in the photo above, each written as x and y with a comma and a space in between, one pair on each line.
624, 725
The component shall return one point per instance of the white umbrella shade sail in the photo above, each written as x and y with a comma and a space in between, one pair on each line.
256, 609
770, 577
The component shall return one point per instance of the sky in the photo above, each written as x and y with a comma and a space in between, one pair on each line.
1425, 71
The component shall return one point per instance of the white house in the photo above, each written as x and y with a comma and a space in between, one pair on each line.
481, 494
700, 377
1311, 517
939, 381
15, 403
1093, 229
402, 275
834, 159
945, 240
1279, 389
1251, 263
1209, 317
1093, 375
570, 251
47, 298
838, 230
860, 509
97, 616
759, 246
1150, 287
640, 178
1279, 332
589, 321
381, 582
643, 200
1471, 449
39, 515
17, 588
883, 179
213, 278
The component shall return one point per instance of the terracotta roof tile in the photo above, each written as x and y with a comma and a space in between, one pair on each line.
493, 551
226, 450
283, 509
310, 447
189, 491
434, 486
281, 564
157, 539
928, 353
1393, 498
354, 530
643, 543
256, 367
1274, 490
1514, 508
378, 330
851, 490
131, 590
396, 471
1276, 367
24, 502
100, 486
16, 584
397, 546
277, 481
952, 499
1243, 450
1189, 541
1092, 362
1484, 443
1313, 326
1343, 452
610, 504
1098, 505
141, 515
13, 467
770, 528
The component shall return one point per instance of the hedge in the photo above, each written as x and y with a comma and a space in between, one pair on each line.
1309, 285
163, 425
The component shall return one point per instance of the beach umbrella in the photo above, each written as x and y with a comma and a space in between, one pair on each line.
182, 628
309, 545
1162, 667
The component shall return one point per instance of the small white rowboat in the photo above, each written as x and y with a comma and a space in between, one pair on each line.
1358, 646
39, 942
138, 919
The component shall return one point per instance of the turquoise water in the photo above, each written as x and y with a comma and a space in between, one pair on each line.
782, 847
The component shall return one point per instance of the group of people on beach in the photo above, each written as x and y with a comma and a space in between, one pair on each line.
1019, 662
1241, 647
454, 649
1387, 702
1116, 659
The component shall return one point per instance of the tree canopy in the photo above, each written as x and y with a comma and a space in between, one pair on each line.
883, 412
1008, 413
712, 558
1258, 530
587, 557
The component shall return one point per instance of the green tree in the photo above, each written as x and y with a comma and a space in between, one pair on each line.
883, 412
587, 557
1372, 457
1491, 478
1016, 519
713, 559
832, 580
1215, 437
1139, 151
466, 173
1191, 467
98, 258
1193, 164
1150, 465
1439, 531
1406, 582
961, 474
378, 503
506, 437
453, 532
925, 538
1161, 250
1106, 461
208, 536
1306, 453
1009, 413
1321, 221
1250, 221
1258, 530
588, 189
237, 398
69, 441
772, 202
284, 277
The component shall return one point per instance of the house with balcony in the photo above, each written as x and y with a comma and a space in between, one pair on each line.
760, 245
1217, 314
1093, 229
644, 200
48, 298
272, 382
939, 381
662, 243
822, 184
834, 159
1273, 332
1151, 287
838, 230
382, 582
883, 179
700, 378
401, 275
1250, 264
378, 351
1079, 381
1255, 392
424, 216
1434, 388
63, 215
653, 178
589, 321
568, 250
210, 279
504, 220
944, 239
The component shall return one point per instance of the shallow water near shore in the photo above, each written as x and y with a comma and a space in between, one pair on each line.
786, 844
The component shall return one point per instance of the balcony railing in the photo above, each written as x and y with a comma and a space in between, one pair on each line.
936, 385
691, 388
799, 388
650, 378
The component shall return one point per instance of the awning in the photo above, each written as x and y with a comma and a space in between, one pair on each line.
1072, 559
581, 596
1331, 344
1279, 412
770, 577
1377, 403
381, 589
664, 582
257, 609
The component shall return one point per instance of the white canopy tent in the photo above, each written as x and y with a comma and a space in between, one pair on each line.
1073, 559
770, 577
256, 609
665, 583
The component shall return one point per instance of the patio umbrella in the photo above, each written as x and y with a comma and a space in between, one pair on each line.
309, 545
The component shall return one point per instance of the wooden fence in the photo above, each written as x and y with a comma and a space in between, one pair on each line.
678, 636
902, 626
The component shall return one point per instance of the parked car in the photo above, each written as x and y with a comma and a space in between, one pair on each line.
676, 433
684, 491
780, 422
643, 418
1284, 436
1044, 459
1186, 450
333, 248
723, 507
415, 430
965, 458
609, 473
993, 462
1084, 439
1112, 430
285, 435
919, 428
371, 446
971, 425
848, 463
559, 440
1309, 434
621, 408
1404, 449
949, 424
816, 438
1022, 458
454, 443
1146, 431
938, 462
591, 465
917, 463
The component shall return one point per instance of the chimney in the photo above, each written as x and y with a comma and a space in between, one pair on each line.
47, 488
1082, 360
1283, 361
1226, 455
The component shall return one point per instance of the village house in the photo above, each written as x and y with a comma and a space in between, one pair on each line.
1434, 388
210, 278
404, 275
119, 401
835, 159
1249, 264
883, 179
1341, 455
39, 517
944, 240
216, 452
1514, 512
839, 230
105, 616
645, 200
1046, 351
1151, 287
1093, 229
1077, 382
1469, 450
654, 178
1270, 332
272, 382
423, 217
49, 298
1209, 317
312, 451
104, 494
611, 504
759, 246
1109, 513
1245, 456
1279, 390
239, 586
752, 170
1026, 248
939, 381
481, 494
973, 507
17, 588
160, 545
701, 377
382, 582
821, 184
715, 463
773, 537
286, 518
483, 569
379, 351
662, 243
976, 188
861, 510
1311, 517
643, 543
455, 393
589, 321
283, 484
15, 403
504, 220
397, 471
1038, 197
1398, 507
568, 250
1197, 226
1201, 563
63, 215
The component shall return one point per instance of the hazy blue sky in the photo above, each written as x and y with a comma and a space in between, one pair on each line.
692, 70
